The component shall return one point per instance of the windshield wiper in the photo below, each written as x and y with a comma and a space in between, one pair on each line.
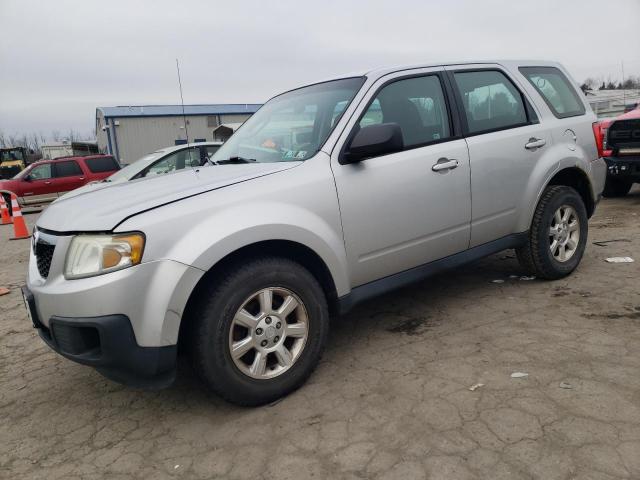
236, 160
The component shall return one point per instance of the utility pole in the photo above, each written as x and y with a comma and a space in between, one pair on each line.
624, 90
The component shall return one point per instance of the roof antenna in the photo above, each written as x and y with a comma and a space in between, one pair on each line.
184, 117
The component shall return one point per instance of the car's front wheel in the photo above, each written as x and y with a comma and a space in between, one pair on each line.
558, 234
259, 331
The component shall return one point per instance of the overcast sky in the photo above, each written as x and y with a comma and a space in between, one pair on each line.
61, 59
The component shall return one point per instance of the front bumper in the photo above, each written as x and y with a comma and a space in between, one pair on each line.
627, 168
108, 344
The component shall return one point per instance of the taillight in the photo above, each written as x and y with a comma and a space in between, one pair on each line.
600, 133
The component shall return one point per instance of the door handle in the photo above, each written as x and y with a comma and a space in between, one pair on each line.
535, 143
47, 183
80, 178
445, 164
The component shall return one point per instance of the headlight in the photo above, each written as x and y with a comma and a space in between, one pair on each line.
91, 255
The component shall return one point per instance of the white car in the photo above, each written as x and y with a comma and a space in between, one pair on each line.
160, 162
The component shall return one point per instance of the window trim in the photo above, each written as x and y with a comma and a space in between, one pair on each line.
572, 88
55, 169
532, 118
452, 114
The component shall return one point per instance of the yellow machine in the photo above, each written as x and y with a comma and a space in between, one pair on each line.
12, 161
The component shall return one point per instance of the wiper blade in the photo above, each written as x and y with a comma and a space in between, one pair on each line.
236, 160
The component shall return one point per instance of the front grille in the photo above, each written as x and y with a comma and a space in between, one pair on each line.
44, 254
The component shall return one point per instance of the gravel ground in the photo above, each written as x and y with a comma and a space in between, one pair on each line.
391, 398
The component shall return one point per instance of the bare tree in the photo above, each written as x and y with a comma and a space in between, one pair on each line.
590, 83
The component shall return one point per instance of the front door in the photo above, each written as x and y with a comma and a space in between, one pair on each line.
404, 209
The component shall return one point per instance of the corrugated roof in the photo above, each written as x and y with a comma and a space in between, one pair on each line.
173, 110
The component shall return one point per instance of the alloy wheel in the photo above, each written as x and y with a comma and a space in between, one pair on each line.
564, 233
268, 333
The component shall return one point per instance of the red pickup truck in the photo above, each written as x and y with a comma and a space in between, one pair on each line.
42, 182
618, 141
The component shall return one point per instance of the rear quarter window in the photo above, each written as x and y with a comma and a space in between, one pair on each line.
102, 164
67, 169
556, 90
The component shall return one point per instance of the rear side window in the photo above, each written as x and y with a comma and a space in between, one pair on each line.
102, 164
490, 101
67, 169
417, 105
556, 90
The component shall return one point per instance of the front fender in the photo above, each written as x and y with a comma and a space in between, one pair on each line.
208, 243
298, 205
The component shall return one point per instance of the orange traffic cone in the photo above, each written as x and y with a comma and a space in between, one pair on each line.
4, 212
19, 227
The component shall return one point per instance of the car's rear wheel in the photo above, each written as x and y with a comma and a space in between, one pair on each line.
615, 187
259, 331
558, 234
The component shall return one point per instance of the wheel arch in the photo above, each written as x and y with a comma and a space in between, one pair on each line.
288, 249
577, 179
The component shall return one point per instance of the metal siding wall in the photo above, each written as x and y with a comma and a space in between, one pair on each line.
101, 135
138, 136
141, 135
234, 118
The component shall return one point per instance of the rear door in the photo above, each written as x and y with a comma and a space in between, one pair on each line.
40, 186
67, 176
408, 208
505, 140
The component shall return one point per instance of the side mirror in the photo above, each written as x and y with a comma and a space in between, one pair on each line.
26, 178
372, 141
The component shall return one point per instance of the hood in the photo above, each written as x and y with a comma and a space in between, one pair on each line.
104, 206
9, 184
635, 113
12, 163
89, 187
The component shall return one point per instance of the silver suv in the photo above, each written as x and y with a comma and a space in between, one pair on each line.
330, 194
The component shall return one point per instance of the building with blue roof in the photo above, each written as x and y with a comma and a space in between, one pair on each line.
130, 132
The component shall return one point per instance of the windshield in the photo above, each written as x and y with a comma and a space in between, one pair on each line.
11, 155
292, 126
23, 173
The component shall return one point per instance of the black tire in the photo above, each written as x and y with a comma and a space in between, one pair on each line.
212, 320
7, 199
535, 256
614, 187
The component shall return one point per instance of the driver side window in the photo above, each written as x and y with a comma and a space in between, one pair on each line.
41, 172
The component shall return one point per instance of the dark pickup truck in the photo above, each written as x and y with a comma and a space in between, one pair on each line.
620, 145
